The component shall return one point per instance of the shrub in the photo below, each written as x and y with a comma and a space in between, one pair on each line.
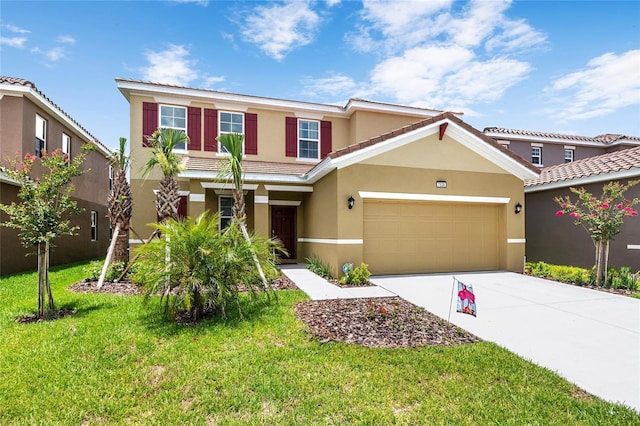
317, 266
359, 275
622, 278
198, 269
93, 270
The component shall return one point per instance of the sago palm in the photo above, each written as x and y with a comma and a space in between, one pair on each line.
163, 142
120, 203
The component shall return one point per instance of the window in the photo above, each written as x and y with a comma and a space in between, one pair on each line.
308, 139
536, 155
174, 118
94, 225
66, 145
225, 207
41, 136
568, 155
110, 178
230, 122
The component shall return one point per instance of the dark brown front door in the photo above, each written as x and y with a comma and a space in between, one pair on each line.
283, 227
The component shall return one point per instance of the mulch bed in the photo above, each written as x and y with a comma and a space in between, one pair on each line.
389, 322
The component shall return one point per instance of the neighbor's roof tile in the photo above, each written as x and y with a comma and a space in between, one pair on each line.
625, 159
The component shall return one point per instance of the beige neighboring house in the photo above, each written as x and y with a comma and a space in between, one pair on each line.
404, 189
31, 123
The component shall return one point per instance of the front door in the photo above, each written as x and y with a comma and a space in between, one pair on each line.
283, 227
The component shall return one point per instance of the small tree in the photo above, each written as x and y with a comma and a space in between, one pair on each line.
40, 217
601, 217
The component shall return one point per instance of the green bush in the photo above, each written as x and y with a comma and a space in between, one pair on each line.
93, 270
359, 275
622, 278
198, 269
318, 267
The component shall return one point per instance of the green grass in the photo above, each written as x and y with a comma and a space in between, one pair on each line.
118, 362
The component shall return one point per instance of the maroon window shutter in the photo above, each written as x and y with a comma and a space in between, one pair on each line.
149, 120
194, 129
325, 138
291, 135
251, 134
210, 129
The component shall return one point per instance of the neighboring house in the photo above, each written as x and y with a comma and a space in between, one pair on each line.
548, 149
557, 240
31, 123
403, 189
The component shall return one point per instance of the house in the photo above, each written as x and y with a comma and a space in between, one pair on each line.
557, 240
403, 189
30, 123
548, 149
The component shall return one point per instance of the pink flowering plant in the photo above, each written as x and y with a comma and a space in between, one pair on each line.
602, 217
43, 213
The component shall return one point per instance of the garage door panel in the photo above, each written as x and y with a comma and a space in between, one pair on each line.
406, 237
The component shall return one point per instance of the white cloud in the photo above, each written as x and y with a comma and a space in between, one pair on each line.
211, 81
17, 42
53, 55
608, 83
15, 29
281, 28
65, 39
170, 66
203, 3
332, 3
335, 86
516, 36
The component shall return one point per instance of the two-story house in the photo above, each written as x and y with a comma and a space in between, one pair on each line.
549, 149
31, 123
403, 189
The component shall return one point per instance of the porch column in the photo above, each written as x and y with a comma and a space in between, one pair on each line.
261, 211
196, 199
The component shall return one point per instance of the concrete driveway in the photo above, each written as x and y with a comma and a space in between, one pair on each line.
589, 337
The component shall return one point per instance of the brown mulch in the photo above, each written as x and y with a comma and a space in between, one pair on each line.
389, 322
124, 288
57, 314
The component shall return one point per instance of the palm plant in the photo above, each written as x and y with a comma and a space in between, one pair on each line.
120, 203
163, 142
232, 169
207, 268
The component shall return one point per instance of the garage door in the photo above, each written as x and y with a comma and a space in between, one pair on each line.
414, 237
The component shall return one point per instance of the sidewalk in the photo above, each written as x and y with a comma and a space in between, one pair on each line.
318, 288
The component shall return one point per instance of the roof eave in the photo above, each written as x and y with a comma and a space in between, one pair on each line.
585, 180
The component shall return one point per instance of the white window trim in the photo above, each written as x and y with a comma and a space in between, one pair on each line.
220, 197
566, 150
66, 142
539, 155
220, 132
44, 131
110, 178
186, 124
94, 225
299, 158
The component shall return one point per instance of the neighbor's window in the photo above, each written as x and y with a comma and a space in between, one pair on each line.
110, 178
94, 225
536, 155
308, 139
230, 122
225, 207
66, 145
41, 136
568, 155
173, 117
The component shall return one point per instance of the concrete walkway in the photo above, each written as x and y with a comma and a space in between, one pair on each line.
589, 337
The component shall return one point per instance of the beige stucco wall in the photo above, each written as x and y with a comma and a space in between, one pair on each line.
368, 124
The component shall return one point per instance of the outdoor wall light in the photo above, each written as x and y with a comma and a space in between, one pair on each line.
518, 208
350, 202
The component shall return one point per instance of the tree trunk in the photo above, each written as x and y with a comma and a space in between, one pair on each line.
45, 297
121, 249
600, 262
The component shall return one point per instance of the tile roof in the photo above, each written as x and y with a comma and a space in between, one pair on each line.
626, 159
423, 123
604, 139
261, 167
15, 81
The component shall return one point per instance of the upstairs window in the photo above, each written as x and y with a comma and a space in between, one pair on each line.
66, 145
110, 178
308, 139
172, 117
230, 122
94, 225
41, 136
536, 155
568, 155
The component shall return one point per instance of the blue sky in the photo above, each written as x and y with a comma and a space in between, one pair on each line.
569, 67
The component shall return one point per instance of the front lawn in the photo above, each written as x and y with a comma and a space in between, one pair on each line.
117, 362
